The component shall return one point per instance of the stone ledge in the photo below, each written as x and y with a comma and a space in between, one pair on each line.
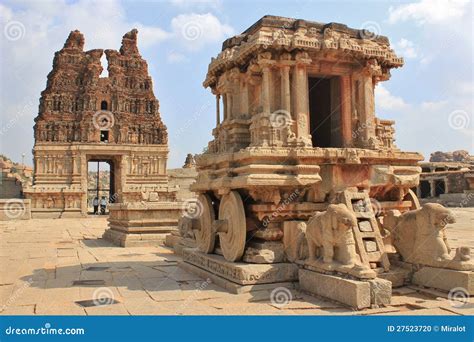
133, 240
444, 279
239, 272
229, 285
354, 293
172, 240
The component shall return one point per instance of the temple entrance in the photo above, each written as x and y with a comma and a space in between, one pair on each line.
100, 186
325, 111
425, 189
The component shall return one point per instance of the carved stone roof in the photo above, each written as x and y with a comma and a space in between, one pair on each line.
273, 33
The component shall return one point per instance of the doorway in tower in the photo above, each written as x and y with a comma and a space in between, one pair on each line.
325, 111
100, 186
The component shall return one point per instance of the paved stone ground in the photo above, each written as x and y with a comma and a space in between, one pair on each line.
41, 259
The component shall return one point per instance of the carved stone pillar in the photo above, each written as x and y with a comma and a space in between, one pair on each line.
368, 111
446, 182
218, 114
432, 188
226, 109
346, 111
124, 167
83, 173
301, 96
266, 89
244, 98
285, 88
228, 99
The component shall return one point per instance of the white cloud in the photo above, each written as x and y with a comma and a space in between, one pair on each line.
386, 101
433, 105
429, 11
200, 4
149, 36
405, 48
176, 57
464, 87
194, 31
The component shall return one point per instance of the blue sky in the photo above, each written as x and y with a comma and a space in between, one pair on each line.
430, 97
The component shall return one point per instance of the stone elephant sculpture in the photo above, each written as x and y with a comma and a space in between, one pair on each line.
329, 230
419, 236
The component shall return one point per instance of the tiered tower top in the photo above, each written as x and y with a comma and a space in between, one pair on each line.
79, 106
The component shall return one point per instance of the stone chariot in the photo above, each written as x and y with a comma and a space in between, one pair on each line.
300, 170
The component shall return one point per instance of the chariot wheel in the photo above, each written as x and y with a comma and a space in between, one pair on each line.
411, 196
205, 235
232, 234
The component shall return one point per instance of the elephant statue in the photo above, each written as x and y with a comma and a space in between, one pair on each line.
419, 236
331, 243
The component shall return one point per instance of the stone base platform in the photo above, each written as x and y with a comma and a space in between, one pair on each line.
444, 279
142, 224
231, 286
238, 273
355, 293
182, 244
172, 239
42, 213
123, 239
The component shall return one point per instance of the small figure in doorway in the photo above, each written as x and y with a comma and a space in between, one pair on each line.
103, 205
95, 204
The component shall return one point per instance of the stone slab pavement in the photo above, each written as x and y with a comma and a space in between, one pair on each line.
63, 267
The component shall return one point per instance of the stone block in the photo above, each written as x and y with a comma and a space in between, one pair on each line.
142, 224
172, 240
444, 279
294, 240
354, 293
266, 252
398, 276
239, 272
380, 291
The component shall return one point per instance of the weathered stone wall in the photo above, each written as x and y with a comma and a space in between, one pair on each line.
456, 182
182, 178
10, 187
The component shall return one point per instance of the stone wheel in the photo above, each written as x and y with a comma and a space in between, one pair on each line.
411, 196
232, 239
205, 236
